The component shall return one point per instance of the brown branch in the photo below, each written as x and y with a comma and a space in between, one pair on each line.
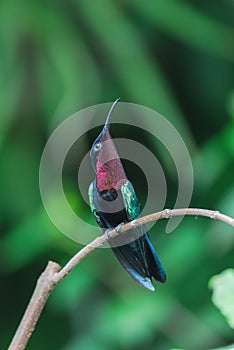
37, 302
52, 274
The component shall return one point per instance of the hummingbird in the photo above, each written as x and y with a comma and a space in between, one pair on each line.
113, 202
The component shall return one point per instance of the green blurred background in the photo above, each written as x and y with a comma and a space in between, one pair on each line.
58, 57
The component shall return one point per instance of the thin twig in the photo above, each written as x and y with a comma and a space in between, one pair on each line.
52, 274
165, 214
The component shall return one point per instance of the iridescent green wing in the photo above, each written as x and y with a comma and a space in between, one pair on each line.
91, 197
130, 200
92, 194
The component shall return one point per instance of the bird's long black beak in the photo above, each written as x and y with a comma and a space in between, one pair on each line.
106, 126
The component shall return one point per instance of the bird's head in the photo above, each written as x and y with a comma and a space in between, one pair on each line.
105, 160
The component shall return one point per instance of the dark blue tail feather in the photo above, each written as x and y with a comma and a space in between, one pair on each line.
140, 260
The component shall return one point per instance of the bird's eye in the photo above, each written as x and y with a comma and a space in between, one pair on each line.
98, 146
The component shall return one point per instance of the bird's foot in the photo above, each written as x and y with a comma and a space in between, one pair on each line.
117, 229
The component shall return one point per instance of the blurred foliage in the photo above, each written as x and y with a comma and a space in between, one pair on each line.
57, 57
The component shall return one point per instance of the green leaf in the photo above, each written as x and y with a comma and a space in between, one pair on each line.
223, 294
